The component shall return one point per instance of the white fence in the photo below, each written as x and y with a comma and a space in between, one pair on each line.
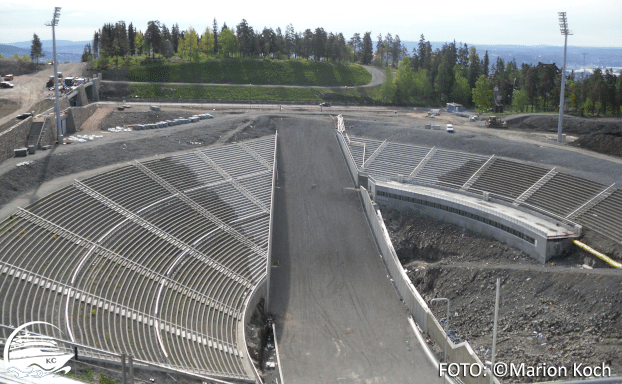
354, 172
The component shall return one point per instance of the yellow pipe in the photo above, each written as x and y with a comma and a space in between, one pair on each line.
594, 252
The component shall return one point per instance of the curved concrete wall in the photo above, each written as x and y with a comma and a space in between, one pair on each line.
520, 234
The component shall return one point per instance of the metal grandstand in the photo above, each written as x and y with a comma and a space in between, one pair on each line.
158, 258
561, 196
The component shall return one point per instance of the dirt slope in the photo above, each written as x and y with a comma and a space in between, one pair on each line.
558, 315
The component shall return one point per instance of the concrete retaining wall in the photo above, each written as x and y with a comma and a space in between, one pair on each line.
14, 137
76, 116
456, 353
536, 250
50, 134
509, 230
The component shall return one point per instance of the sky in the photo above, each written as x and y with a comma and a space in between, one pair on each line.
525, 22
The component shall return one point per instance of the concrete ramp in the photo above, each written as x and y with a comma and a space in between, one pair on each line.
339, 319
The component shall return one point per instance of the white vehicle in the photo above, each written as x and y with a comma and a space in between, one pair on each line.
450, 128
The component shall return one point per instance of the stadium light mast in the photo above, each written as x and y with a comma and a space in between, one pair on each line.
563, 27
53, 24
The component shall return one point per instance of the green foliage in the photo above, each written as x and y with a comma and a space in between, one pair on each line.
139, 43
423, 86
291, 72
588, 106
388, 88
105, 380
189, 45
482, 94
228, 42
405, 82
461, 92
598, 106
207, 42
218, 92
25, 57
520, 100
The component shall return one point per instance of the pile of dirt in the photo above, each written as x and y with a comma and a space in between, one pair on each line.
19, 67
607, 143
572, 124
109, 89
555, 315
603, 135
263, 126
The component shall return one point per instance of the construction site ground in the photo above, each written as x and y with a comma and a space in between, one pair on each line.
575, 312
30, 91
558, 314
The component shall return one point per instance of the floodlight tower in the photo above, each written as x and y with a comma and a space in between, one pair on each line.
53, 24
563, 27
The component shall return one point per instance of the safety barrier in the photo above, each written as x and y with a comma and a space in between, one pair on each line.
456, 353
352, 168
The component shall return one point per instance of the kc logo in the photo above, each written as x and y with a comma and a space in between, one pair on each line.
27, 354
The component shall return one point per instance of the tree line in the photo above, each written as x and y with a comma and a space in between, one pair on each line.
455, 72
118, 40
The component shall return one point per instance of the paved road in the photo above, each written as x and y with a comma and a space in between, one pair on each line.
338, 318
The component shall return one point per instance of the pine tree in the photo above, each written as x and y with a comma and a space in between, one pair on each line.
96, 44
368, 49
175, 37
215, 31
36, 49
131, 37
486, 65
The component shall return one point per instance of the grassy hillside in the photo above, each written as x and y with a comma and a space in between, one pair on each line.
223, 92
233, 71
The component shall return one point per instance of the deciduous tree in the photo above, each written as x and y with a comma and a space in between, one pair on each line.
228, 41
482, 94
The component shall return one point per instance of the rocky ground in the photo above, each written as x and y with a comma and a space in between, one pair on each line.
557, 314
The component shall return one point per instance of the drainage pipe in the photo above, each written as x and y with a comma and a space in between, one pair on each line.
594, 252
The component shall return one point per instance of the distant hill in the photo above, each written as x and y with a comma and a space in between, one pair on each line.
61, 45
598, 57
10, 50
66, 50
